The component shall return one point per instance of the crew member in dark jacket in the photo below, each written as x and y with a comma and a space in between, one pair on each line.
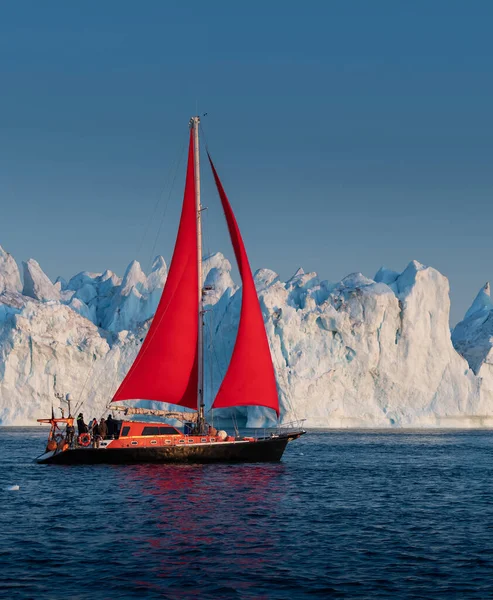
81, 426
110, 425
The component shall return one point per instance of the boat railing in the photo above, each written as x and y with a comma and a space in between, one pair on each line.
281, 429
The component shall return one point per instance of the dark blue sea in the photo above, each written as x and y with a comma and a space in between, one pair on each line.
358, 514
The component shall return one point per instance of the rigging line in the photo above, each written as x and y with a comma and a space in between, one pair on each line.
95, 382
211, 323
151, 218
220, 370
213, 313
279, 369
210, 320
176, 164
80, 401
211, 366
214, 355
97, 379
80, 404
226, 361
112, 387
206, 240
204, 137
107, 407
89, 372
158, 201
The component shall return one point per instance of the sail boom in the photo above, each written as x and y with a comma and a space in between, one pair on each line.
168, 414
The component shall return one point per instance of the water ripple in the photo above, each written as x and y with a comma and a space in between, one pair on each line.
345, 515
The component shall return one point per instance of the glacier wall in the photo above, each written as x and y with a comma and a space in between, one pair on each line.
357, 353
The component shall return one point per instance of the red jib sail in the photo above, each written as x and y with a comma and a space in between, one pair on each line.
250, 378
166, 367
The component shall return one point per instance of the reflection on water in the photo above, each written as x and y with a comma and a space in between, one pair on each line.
208, 518
346, 514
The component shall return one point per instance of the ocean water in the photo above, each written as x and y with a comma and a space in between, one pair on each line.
359, 514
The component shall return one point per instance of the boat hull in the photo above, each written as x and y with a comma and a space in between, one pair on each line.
262, 450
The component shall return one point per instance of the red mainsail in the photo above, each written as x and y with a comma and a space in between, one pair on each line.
166, 367
250, 378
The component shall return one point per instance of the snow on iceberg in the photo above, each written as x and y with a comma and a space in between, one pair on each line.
355, 353
473, 336
10, 280
37, 285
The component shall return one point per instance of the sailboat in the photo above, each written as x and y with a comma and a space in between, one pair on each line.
169, 367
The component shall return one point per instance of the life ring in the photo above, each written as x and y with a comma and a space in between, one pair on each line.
84, 439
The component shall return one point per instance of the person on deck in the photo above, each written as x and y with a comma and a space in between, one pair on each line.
103, 429
81, 426
95, 434
69, 434
110, 426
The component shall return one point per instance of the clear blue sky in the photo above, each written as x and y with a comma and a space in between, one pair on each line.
349, 134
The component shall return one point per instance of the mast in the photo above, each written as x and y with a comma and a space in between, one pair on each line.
194, 123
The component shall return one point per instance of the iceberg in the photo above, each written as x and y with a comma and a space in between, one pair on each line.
360, 352
10, 279
36, 284
473, 336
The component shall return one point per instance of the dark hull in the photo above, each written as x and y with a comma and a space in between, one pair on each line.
263, 450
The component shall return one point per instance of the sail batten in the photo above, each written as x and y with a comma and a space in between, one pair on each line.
250, 378
165, 369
